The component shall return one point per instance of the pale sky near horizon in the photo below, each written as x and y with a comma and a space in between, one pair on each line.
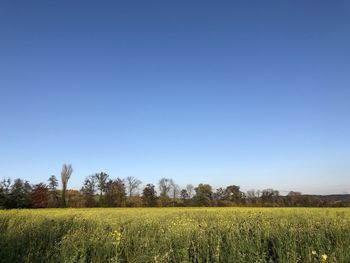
252, 93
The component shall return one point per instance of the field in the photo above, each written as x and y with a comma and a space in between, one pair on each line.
175, 235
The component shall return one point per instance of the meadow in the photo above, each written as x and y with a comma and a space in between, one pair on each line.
175, 235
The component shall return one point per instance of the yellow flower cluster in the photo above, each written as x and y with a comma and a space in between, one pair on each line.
323, 257
118, 236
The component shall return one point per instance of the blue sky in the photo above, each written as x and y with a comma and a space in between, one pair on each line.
253, 93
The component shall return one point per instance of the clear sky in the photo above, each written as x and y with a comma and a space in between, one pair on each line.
253, 93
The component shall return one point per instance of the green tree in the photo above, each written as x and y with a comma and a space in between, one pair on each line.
101, 180
116, 193
219, 194
204, 195
184, 194
20, 194
54, 200
5, 192
149, 195
233, 194
88, 191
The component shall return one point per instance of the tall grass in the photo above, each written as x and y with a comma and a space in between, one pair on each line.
175, 235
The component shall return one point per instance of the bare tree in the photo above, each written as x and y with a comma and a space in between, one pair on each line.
65, 175
190, 190
132, 184
175, 190
165, 186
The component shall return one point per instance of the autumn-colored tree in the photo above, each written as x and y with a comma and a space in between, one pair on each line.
39, 196
134, 201
75, 199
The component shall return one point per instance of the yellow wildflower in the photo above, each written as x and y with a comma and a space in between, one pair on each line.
324, 257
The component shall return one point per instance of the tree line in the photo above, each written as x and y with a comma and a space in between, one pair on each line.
100, 190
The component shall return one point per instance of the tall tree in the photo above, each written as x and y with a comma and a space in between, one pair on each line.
175, 190
184, 197
115, 194
219, 194
66, 173
190, 190
184, 194
165, 185
132, 184
53, 182
39, 196
5, 186
149, 195
88, 191
75, 199
101, 179
270, 197
294, 198
20, 194
252, 196
204, 194
233, 194
54, 200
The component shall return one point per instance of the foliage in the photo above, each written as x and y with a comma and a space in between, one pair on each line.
101, 179
204, 195
88, 191
19, 196
115, 193
149, 195
54, 199
39, 196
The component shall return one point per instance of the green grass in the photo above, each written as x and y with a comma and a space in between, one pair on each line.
175, 235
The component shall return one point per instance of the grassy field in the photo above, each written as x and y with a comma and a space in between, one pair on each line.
175, 235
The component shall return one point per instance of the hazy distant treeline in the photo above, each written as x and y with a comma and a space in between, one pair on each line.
100, 190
